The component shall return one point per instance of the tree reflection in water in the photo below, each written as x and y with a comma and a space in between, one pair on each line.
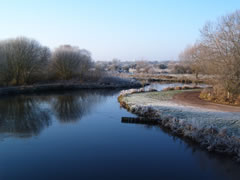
25, 116
72, 107
22, 116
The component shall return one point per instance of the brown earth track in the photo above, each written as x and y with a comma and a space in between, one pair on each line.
192, 99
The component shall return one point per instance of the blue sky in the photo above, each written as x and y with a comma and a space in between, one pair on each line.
124, 29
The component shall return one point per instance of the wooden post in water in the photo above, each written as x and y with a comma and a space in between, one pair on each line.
139, 120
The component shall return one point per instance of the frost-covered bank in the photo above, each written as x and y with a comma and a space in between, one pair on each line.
215, 130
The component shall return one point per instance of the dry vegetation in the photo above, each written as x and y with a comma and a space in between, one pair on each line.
68, 62
24, 61
217, 53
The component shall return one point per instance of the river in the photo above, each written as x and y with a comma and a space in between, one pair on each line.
79, 135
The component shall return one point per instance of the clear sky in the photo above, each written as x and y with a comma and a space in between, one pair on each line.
124, 29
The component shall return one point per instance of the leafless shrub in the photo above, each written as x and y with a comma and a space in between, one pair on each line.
218, 53
142, 66
180, 69
95, 73
22, 61
69, 62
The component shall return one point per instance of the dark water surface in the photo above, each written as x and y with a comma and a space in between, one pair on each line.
79, 135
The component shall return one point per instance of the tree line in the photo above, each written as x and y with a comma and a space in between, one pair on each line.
217, 54
25, 61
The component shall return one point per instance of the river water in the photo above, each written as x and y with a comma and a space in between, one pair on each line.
79, 135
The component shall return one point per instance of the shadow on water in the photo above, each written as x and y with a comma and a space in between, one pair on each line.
28, 115
220, 163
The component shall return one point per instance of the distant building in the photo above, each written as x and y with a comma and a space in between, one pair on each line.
132, 71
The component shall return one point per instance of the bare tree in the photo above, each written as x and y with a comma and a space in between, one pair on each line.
22, 60
218, 53
194, 57
68, 62
142, 66
222, 43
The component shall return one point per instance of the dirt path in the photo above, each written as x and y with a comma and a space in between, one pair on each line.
192, 99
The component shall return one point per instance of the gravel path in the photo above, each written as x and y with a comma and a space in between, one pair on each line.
192, 99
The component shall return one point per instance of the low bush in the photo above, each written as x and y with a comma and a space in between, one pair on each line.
218, 94
68, 62
180, 69
22, 61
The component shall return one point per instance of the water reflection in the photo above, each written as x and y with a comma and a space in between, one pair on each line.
136, 153
25, 116
22, 116
221, 164
68, 108
72, 107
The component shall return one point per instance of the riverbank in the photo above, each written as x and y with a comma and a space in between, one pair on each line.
215, 127
168, 78
39, 88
